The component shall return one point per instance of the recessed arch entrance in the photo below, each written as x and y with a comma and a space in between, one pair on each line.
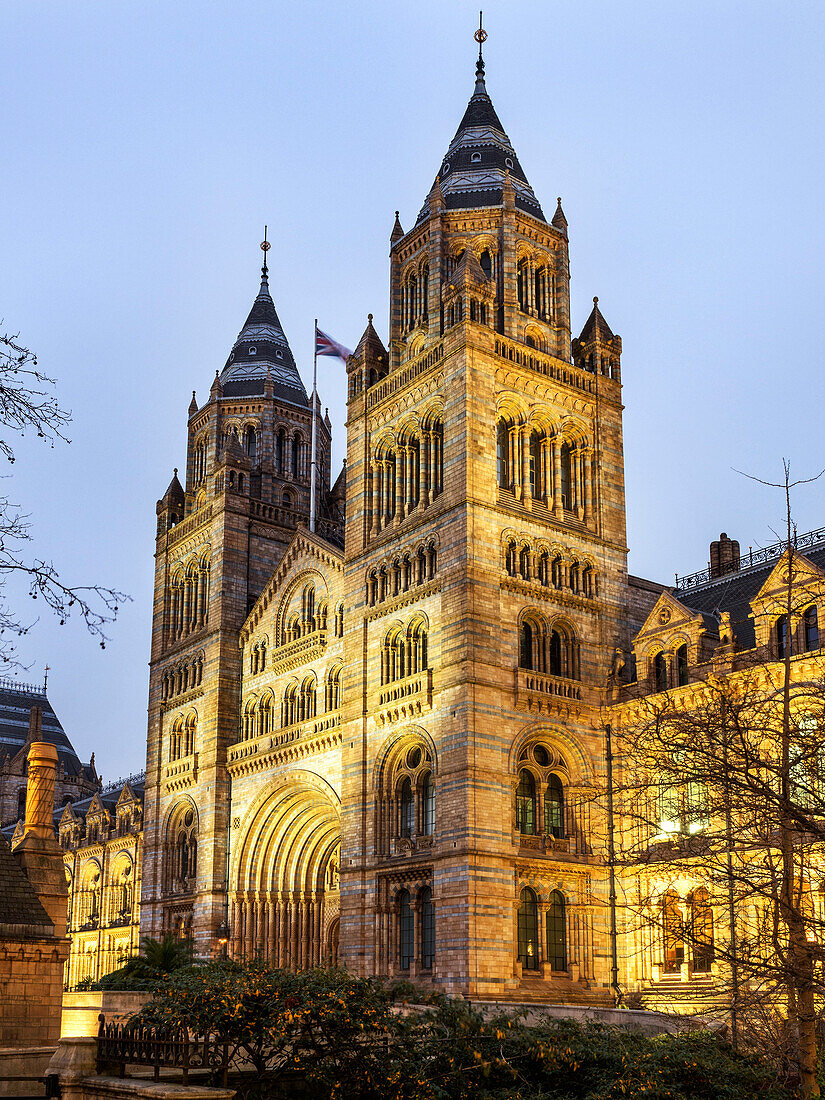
285, 899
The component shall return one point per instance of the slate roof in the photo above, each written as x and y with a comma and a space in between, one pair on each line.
16, 702
595, 327
19, 903
733, 593
262, 348
472, 174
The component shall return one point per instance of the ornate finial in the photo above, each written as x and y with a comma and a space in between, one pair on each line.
46, 672
595, 301
369, 318
176, 471
265, 247
481, 37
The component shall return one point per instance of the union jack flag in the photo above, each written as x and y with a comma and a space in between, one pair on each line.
325, 345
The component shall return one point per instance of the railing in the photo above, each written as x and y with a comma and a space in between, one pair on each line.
274, 513
182, 772
754, 558
7, 684
127, 1044
544, 684
300, 731
565, 373
419, 684
404, 375
136, 778
299, 651
190, 524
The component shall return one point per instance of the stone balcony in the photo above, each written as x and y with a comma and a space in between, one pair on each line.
299, 651
179, 774
404, 699
541, 693
261, 752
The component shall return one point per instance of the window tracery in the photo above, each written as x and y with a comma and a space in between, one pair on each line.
404, 652
541, 782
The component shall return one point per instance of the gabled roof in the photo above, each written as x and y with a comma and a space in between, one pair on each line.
734, 593
669, 612
472, 174
262, 344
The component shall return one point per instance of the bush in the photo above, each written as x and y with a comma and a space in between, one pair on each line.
335, 1036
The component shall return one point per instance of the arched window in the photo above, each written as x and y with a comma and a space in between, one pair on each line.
405, 930
307, 699
339, 621
672, 933
682, 665
296, 458
526, 646
781, 630
486, 261
526, 803
810, 628
566, 484
554, 807
556, 929
428, 805
406, 808
660, 672
555, 664
523, 281
427, 928
21, 804
503, 453
528, 930
333, 693
251, 443
701, 927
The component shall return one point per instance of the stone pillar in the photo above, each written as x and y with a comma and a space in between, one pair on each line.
38, 851
557, 504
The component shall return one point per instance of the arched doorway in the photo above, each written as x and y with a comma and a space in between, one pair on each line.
285, 876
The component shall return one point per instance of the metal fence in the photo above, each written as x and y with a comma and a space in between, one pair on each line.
126, 1044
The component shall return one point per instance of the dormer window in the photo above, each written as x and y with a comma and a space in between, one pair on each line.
476, 158
279, 355
253, 351
445, 168
508, 162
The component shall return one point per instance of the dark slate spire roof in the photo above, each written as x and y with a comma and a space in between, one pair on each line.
261, 343
472, 174
370, 343
16, 702
595, 327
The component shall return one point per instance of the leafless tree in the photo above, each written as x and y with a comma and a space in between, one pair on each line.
720, 787
28, 404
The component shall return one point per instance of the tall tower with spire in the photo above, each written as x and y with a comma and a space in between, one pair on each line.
220, 531
486, 589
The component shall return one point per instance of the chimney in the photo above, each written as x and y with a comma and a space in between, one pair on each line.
724, 556
38, 851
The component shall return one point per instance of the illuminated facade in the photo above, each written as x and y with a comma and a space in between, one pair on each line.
379, 742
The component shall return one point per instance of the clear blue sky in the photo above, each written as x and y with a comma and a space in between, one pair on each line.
146, 144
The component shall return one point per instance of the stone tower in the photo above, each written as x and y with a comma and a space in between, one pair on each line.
246, 490
486, 589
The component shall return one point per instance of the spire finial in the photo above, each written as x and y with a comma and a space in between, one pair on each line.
369, 318
265, 247
595, 301
46, 678
481, 37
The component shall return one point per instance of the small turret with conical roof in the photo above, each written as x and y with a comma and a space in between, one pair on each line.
597, 349
368, 363
397, 230
559, 220
171, 506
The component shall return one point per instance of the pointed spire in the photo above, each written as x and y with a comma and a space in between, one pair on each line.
436, 197
262, 347
216, 389
508, 192
595, 327
174, 494
193, 405
559, 220
480, 37
472, 174
370, 343
397, 231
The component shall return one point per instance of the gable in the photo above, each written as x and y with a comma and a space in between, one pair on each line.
807, 581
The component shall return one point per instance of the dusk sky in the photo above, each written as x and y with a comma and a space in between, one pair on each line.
147, 144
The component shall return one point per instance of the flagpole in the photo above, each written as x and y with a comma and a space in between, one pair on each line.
312, 469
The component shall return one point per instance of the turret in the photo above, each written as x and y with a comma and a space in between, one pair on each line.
597, 350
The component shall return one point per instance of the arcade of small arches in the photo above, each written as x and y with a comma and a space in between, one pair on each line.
669, 669
548, 645
550, 567
538, 463
405, 571
92, 902
404, 650
405, 472
182, 736
245, 435
298, 704
285, 877
302, 613
183, 677
189, 598
536, 288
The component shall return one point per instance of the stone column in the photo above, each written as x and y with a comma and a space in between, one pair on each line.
587, 484
525, 463
557, 504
